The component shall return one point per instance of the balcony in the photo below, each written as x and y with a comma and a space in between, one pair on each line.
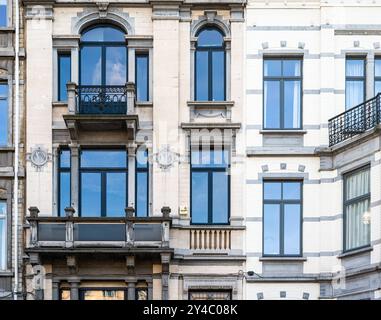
98, 108
354, 121
104, 234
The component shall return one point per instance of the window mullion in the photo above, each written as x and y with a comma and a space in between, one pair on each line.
103, 194
210, 74
210, 196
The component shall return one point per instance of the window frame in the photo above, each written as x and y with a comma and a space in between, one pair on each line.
210, 50
143, 170
281, 203
8, 117
210, 171
103, 45
59, 55
103, 172
376, 78
7, 15
355, 78
61, 170
142, 54
346, 203
281, 79
5, 235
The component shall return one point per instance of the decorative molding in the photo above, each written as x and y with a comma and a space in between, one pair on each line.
210, 18
39, 157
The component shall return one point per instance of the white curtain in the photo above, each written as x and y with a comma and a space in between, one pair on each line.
3, 226
358, 213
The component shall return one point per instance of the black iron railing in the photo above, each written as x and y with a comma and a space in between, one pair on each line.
102, 99
354, 121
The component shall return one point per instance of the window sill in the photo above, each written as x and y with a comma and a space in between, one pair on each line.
7, 29
271, 131
296, 259
59, 104
144, 104
7, 148
354, 252
210, 104
6, 273
209, 226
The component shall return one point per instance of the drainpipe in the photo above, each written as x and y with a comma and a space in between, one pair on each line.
16, 144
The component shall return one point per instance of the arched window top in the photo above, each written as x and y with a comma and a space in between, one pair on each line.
210, 37
104, 33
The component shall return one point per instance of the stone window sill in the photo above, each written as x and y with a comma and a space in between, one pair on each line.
210, 104
355, 252
147, 104
59, 104
296, 132
282, 259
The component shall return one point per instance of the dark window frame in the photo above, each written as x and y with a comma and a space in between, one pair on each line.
103, 172
144, 170
281, 203
62, 170
210, 50
355, 78
146, 55
281, 80
103, 45
346, 203
210, 171
59, 56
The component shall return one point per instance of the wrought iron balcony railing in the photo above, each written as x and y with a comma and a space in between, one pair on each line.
354, 121
109, 100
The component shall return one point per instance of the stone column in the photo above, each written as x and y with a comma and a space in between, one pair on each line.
165, 259
150, 289
74, 148
369, 91
131, 289
74, 291
131, 175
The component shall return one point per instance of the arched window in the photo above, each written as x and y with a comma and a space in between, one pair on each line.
103, 58
210, 65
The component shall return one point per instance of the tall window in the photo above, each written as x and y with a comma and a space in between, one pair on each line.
142, 183
377, 75
103, 56
64, 74
357, 209
282, 93
354, 81
64, 181
3, 13
210, 186
142, 76
3, 235
103, 179
282, 216
210, 65
3, 114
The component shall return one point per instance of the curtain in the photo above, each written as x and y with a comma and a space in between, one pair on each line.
3, 226
358, 212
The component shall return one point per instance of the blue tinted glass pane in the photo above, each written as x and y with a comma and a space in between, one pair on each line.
3, 14
199, 197
271, 229
3, 122
142, 77
210, 38
272, 68
202, 78
142, 158
272, 191
3, 90
218, 74
90, 194
272, 104
116, 194
91, 66
103, 34
220, 197
65, 159
207, 158
64, 192
377, 87
292, 68
64, 66
377, 67
291, 190
292, 110
354, 93
116, 69
291, 229
354, 67
103, 159
141, 194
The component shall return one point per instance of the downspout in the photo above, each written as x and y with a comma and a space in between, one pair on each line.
16, 145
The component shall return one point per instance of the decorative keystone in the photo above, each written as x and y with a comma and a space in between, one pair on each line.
166, 211
130, 211
33, 211
69, 212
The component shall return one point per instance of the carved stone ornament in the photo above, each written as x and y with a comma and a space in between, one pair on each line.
39, 157
166, 157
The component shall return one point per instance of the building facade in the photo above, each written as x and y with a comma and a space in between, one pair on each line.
202, 150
